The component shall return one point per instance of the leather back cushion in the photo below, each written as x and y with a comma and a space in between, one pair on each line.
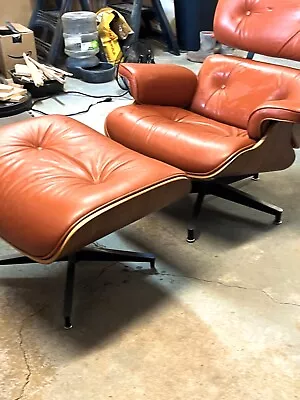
269, 27
230, 88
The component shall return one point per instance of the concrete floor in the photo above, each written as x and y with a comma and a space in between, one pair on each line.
221, 320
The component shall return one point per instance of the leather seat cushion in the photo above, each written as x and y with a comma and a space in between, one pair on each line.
56, 172
189, 141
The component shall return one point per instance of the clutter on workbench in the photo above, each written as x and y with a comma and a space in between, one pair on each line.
39, 79
38, 73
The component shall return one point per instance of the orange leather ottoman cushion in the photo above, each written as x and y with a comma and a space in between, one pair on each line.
57, 174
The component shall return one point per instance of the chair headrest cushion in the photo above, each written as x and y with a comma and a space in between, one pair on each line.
268, 27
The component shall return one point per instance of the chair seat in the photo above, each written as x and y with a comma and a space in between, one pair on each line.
191, 142
64, 185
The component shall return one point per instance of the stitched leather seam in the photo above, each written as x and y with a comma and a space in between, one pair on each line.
287, 43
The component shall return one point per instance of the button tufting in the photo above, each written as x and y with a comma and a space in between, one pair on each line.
223, 86
39, 148
248, 13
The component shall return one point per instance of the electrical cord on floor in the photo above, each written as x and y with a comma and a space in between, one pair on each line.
104, 99
79, 112
142, 57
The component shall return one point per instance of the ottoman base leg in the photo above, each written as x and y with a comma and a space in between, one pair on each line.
99, 254
69, 289
87, 254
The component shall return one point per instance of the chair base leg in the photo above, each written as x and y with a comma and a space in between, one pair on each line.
222, 188
104, 254
234, 195
16, 259
100, 254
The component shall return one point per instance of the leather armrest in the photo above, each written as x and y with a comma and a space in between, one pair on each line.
277, 110
159, 84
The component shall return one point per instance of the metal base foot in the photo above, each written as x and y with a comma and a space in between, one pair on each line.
191, 236
278, 219
68, 324
255, 177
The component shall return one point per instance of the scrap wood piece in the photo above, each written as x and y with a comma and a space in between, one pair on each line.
59, 71
22, 70
5, 88
36, 74
16, 98
10, 82
47, 72
16, 92
24, 79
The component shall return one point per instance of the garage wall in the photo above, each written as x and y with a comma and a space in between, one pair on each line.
16, 11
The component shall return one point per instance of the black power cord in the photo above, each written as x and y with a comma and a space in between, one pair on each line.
122, 85
104, 99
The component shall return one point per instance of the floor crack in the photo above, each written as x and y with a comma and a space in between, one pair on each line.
232, 286
25, 356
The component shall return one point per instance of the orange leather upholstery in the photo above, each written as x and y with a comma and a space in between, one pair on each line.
244, 115
230, 89
233, 100
269, 27
180, 137
64, 185
160, 84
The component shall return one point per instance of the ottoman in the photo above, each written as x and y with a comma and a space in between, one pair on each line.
64, 185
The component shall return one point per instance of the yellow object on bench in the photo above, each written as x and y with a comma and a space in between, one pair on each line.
112, 27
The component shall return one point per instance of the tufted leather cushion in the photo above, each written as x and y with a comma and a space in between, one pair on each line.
57, 174
178, 137
269, 27
230, 89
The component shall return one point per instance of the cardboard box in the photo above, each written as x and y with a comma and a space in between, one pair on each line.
12, 46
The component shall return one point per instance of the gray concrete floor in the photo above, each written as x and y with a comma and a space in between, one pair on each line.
221, 320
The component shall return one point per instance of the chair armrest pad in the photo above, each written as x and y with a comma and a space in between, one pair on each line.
278, 110
159, 84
